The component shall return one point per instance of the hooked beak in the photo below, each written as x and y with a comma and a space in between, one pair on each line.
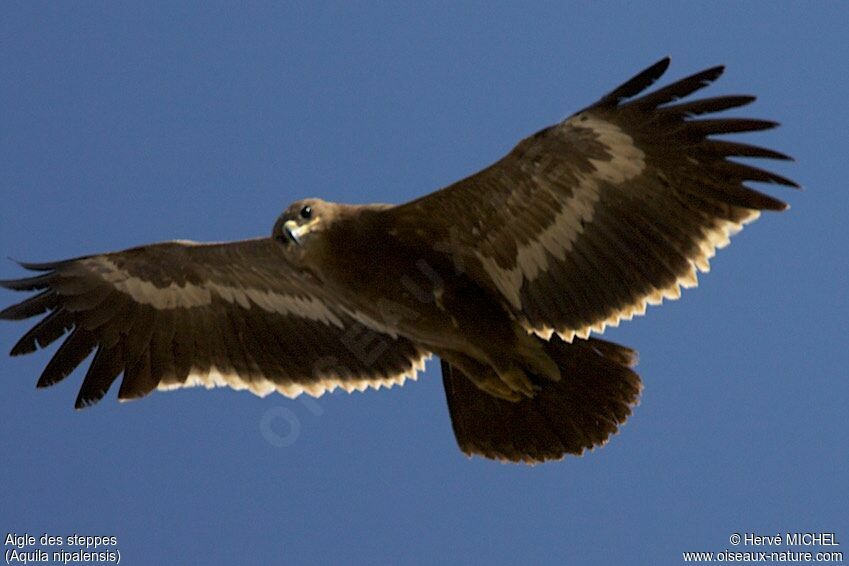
294, 232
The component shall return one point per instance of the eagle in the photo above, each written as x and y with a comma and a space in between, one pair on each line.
507, 276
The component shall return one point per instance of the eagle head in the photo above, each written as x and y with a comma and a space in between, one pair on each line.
301, 219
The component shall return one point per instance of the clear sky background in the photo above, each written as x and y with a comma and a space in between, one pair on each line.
122, 125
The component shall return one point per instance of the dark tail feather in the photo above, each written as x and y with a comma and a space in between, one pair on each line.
582, 410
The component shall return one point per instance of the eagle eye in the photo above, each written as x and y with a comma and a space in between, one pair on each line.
306, 212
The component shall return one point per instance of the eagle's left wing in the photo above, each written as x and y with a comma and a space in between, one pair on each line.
586, 222
179, 314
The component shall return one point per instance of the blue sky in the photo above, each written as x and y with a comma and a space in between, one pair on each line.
126, 124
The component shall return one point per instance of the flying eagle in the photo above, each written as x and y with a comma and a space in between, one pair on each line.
503, 275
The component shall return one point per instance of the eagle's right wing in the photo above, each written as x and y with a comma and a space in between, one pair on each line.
179, 314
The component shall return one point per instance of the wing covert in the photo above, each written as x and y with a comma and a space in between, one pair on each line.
179, 314
587, 222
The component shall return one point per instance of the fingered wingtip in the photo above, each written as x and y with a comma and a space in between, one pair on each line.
664, 62
38, 266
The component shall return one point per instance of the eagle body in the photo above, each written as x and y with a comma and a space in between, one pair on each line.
394, 285
504, 275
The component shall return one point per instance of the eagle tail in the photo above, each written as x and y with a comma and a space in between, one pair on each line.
595, 395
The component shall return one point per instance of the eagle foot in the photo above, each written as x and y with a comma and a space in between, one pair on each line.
518, 381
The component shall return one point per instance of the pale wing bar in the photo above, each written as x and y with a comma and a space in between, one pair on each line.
651, 232
586, 222
179, 315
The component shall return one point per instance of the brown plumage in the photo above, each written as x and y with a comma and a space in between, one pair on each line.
503, 275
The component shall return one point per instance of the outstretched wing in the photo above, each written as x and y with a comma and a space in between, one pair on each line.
586, 222
179, 314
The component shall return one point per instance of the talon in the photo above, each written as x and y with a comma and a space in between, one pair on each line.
518, 381
493, 385
509, 395
535, 359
